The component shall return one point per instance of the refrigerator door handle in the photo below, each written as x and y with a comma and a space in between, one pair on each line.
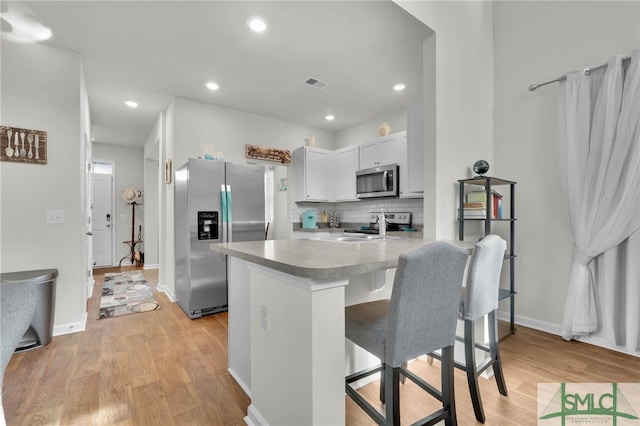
229, 215
223, 207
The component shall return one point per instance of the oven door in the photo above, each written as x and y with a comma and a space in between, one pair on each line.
377, 182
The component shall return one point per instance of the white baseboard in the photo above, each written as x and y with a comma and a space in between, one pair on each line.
547, 327
240, 383
556, 329
151, 266
254, 418
73, 327
90, 288
172, 297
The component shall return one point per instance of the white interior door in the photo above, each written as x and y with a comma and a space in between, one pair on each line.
102, 220
88, 205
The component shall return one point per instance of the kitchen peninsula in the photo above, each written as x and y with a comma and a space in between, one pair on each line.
286, 321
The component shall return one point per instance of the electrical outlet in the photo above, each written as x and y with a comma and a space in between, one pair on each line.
264, 317
55, 217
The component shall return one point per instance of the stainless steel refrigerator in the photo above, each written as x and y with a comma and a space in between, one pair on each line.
214, 202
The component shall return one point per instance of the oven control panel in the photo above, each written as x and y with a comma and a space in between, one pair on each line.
398, 220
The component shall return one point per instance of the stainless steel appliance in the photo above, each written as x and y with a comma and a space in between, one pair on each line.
396, 221
214, 202
381, 181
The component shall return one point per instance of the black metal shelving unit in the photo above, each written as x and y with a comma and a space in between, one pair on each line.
488, 183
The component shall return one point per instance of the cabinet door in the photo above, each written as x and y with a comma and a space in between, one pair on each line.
404, 162
317, 183
388, 149
379, 152
415, 148
345, 165
369, 155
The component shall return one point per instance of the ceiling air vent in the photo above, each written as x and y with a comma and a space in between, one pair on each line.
318, 84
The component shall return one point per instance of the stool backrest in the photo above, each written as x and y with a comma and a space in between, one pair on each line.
423, 310
483, 277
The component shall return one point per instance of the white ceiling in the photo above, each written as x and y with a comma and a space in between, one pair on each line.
150, 51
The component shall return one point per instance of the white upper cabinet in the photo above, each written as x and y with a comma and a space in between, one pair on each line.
414, 169
401, 148
323, 175
410, 180
383, 150
310, 170
345, 165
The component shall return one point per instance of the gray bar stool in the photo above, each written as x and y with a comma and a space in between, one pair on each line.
419, 318
479, 298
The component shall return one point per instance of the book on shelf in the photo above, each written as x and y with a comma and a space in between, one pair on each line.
478, 200
474, 213
476, 205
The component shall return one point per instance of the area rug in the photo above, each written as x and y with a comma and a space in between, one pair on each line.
125, 293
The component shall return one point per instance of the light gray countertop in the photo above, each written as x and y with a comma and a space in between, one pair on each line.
319, 259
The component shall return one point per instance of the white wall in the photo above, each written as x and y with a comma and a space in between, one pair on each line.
41, 90
197, 123
537, 42
129, 171
189, 124
368, 131
464, 103
153, 183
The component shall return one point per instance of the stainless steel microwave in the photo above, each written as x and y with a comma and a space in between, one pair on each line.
381, 181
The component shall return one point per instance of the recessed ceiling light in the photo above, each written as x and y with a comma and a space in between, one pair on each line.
212, 85
131, 104
19, 26
257, 24
329, 117
398, 87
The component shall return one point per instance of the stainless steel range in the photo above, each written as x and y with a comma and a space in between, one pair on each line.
396, 221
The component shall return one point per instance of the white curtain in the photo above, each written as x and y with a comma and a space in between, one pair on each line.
600, 124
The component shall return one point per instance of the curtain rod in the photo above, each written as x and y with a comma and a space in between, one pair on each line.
563, 78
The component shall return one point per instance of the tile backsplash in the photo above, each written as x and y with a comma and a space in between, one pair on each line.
359, 212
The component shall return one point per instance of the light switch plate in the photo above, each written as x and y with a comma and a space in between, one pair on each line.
55, 217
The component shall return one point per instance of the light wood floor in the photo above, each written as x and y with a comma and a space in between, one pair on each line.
161, 368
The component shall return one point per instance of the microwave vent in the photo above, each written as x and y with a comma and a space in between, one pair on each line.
314, 82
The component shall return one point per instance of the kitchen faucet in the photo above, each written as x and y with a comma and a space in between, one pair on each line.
382, 228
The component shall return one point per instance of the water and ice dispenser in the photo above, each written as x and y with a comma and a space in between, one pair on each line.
207, 225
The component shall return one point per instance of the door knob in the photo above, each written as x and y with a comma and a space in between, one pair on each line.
89, 233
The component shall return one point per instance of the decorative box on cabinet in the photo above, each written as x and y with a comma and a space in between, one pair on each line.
488, 183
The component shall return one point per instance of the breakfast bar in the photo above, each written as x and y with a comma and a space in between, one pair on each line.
286, 321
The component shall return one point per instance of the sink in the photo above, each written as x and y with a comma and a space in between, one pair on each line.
357, 238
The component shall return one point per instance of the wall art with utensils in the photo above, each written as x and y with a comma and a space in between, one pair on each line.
23, 145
